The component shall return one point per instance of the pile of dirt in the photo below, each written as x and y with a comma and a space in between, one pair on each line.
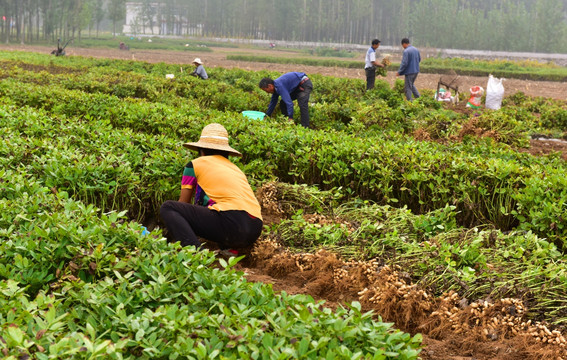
471, 128
540, 147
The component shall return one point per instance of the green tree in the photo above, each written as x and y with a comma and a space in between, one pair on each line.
548, 18
116, 10
98, 14
148, 15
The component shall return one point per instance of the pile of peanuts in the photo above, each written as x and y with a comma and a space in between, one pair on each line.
543, 334
386, 282
304, 261
319, 220
341, 274
269, 199
503, 317
492, 319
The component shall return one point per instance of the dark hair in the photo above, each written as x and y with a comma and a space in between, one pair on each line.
209, 152
405, 41
375, 42
265, 82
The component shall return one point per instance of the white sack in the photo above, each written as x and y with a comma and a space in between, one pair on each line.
494, 93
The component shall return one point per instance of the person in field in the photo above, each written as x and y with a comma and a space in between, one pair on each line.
409, 67
216, 201
370, 64
199, 69
290, 86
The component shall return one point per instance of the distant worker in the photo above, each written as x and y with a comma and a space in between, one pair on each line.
60, 51
409, 68
371, 63
199, 69
290, 86
224, 209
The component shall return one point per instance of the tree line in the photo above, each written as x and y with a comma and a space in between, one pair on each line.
28, 21
498, 25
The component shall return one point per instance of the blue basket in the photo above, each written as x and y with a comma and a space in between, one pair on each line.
254, 115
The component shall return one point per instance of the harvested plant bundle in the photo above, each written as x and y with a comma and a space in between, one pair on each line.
383, 71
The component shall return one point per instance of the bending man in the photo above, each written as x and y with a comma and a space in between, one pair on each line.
199, 69
290, 86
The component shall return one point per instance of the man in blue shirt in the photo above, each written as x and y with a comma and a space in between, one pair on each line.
290, 86
410, 68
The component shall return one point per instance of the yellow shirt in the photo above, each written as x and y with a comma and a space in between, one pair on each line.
226, 185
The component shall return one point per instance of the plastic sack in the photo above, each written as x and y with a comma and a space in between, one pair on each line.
476, 97
494, 93
444, 95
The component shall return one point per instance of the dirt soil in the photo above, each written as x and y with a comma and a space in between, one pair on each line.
546, 147
326, 277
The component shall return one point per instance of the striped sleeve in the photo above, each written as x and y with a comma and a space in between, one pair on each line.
188, 181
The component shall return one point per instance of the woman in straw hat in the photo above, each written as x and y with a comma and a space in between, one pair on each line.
224, 209
199, 70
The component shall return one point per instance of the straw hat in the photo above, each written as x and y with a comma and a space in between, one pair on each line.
214, 136
197, 61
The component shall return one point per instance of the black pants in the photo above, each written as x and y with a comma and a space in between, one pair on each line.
229, 229
370, 77
301, 94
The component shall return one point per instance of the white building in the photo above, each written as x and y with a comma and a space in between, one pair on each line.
156, 19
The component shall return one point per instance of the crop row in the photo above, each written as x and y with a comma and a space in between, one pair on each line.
143, 80
335, 103
336, 106
75, 283
487, 183
116, 168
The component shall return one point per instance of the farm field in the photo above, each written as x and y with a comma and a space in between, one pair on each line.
445, 221
218, 58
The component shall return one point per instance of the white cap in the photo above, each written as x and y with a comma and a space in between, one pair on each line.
198, 61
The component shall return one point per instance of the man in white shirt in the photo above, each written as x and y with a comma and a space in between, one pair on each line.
371, 63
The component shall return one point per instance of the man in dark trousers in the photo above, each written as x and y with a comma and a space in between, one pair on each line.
370, 64
290, 86
409, 67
